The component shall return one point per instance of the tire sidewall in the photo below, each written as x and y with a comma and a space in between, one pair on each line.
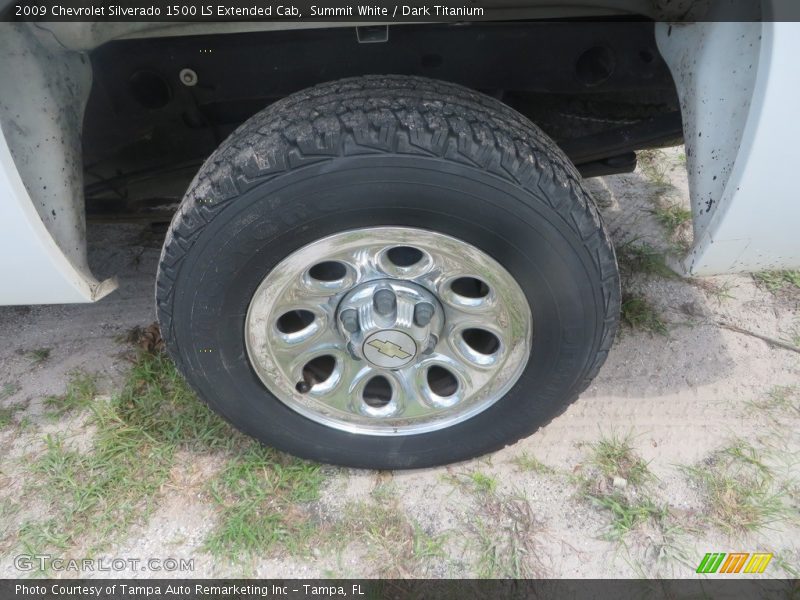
517, 227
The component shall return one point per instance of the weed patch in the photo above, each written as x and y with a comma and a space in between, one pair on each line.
39, 355
720, 292
780, 399
81, 391
505, 539
259, 495
616, 482
7, 414
628, 513
640, 257
654, 165
95, 495
615, 457
639, 313
740, 491
775, 281
672, 217
398, 546
526, 462
474, 482
7, 390
483, 483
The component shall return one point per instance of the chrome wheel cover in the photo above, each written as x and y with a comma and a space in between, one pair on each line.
389, 331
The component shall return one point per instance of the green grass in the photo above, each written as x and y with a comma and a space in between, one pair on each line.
787, 565
258, 495
7, 390
672, 217
483, 483
629, 505
654, 165
394, 544
740, 490
500, 531
614, 456
628, 513
80, 393
496, 557
7, 414
718, 291
504, 539
384, 492
473, 482
775, 281
96, 494
426, 546
526, 462
640, 314
641, 257
39, 355
780, 399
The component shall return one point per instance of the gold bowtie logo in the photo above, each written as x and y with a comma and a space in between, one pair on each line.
389, 349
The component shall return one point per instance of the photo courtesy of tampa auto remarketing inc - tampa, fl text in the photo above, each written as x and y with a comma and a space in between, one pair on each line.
489, 299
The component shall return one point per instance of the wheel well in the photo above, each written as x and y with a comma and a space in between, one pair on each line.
160, 106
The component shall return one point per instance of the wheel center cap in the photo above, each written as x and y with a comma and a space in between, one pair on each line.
389, 348
390, 323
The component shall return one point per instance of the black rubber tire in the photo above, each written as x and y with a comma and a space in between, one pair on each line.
387, 150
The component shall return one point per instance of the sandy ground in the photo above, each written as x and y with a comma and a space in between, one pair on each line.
680, 397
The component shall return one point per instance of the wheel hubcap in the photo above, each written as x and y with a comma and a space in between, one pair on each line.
390, 322
388, 330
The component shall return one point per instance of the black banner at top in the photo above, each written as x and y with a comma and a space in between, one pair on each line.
392, 11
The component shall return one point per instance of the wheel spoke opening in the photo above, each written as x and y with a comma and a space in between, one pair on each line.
441, 381
294, 321
377, 392
481, 341
470, 287
404, 256
328, 271
316, 371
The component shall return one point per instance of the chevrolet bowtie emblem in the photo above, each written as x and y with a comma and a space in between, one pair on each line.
389, 349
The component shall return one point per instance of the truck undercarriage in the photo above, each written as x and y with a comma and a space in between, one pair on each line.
159, 107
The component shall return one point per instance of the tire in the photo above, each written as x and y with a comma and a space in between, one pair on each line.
382, 151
